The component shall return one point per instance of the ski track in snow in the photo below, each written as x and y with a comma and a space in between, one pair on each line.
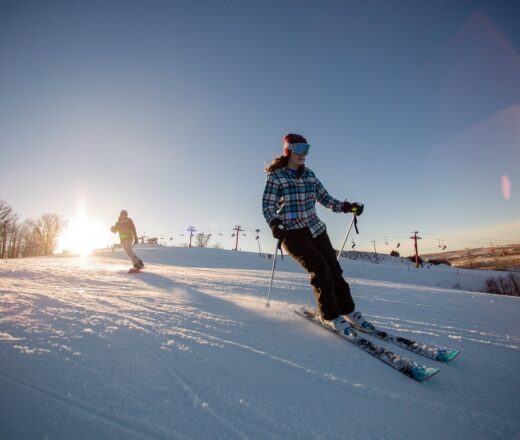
186, 352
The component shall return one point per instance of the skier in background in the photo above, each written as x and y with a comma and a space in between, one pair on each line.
128, 235
289, 207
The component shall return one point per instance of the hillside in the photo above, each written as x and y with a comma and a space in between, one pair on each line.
187, 349
494, 258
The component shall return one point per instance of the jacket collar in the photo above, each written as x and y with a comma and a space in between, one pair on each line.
289, 173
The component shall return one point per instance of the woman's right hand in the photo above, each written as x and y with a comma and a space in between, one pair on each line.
278, 229
354, 208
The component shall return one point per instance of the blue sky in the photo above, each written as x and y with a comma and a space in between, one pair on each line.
171, 110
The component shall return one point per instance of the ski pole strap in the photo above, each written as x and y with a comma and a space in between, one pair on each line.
355, 224
279, 246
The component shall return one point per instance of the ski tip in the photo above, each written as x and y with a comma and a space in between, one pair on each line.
421, 373
446, 355
305, 311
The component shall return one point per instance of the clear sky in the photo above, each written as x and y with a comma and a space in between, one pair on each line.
171, 110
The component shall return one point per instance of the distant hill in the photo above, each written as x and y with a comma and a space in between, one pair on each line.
495, 258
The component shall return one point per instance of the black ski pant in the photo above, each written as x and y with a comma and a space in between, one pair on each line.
317, 256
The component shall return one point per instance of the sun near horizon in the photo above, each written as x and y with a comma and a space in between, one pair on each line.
83, 233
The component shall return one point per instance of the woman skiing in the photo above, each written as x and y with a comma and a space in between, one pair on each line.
289, 207
128, 235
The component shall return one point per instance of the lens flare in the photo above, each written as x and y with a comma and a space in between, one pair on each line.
506, 187
83, 233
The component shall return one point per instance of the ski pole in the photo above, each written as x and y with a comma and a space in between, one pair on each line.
278, 246
352, 222
281, 205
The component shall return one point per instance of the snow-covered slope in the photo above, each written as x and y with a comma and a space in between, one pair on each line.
187, 349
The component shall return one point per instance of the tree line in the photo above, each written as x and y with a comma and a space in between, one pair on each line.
30, 237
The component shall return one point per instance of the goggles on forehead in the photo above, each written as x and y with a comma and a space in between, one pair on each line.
299, 148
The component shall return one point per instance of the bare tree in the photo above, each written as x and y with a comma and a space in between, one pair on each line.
5, 211
47, 229
13, 238
27, 242
7, 219
202, 240
30, 237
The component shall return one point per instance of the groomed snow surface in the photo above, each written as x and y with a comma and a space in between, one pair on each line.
187, 349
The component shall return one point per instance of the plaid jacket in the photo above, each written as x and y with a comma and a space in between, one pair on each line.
293, 200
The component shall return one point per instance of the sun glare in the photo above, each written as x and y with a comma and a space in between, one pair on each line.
82, 234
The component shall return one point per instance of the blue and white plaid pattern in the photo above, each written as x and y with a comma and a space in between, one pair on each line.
293, 200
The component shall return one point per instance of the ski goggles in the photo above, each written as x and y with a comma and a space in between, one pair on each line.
299, 148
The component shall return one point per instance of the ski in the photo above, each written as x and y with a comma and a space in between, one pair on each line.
440, 354
402, 364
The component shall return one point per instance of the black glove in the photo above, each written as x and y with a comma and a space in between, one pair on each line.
355, 208
279, 231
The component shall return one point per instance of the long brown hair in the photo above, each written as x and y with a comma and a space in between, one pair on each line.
282, 160
277, 163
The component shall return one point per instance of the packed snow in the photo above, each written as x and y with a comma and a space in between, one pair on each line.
188, 349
